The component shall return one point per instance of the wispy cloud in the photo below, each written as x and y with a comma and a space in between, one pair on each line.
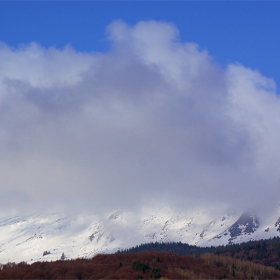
153, 119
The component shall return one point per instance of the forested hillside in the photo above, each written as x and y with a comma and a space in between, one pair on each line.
266, 252
145, 265
251, 260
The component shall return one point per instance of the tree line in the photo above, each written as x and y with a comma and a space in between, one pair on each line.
266, 252
145, 265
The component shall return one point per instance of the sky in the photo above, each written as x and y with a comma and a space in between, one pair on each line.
124, 104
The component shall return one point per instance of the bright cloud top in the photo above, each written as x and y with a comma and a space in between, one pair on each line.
153, 119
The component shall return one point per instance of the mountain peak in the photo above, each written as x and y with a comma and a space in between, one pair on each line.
27, 237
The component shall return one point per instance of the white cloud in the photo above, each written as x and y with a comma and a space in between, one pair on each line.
152, 119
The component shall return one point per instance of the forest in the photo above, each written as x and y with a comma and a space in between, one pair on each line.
266, 252
251, 260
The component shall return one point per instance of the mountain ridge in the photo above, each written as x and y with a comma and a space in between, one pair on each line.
28, 237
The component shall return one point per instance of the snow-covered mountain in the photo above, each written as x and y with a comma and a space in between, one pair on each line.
45, 237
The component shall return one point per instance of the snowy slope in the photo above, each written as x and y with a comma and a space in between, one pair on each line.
27, 237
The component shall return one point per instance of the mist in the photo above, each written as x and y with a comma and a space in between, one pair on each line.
153, 120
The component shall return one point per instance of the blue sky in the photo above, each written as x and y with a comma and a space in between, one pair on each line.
232, 31
117, 104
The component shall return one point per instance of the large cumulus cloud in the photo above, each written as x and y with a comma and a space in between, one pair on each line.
153, 119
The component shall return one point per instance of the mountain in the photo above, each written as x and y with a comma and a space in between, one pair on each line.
245, 226
45, 237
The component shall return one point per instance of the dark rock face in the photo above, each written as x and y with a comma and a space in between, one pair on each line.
246, 224
277, 224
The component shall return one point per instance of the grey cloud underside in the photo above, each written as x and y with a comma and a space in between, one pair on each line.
153, 119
